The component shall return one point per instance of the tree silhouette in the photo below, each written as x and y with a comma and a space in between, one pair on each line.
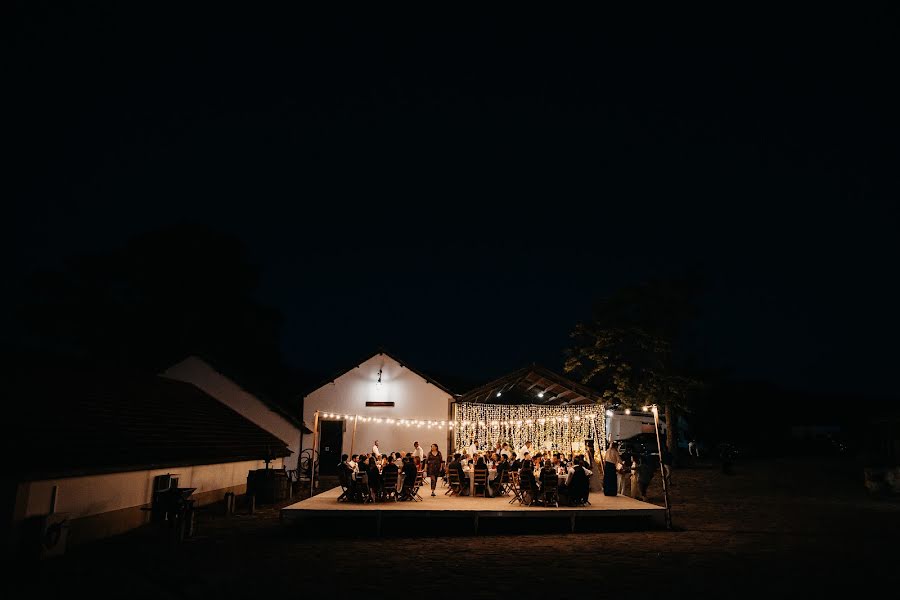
628, 348
164, 295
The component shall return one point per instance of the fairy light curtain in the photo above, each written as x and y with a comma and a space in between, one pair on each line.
559, 428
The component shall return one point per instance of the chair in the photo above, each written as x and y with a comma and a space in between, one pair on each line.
455, 487
345, 479
550, 488
361, 490
527, 492
481, 481
416, 486
515, 489
505, 483
389, 486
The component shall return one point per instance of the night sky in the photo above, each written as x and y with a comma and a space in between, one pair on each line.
460, 191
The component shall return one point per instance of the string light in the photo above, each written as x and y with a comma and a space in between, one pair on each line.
390, 421
558, 427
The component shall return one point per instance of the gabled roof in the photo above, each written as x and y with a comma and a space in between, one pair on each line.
78, 421
379, 352
522, 387
271, 404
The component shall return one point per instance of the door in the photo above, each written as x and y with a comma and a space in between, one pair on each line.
331, 442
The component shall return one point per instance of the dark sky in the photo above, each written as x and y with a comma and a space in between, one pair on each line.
459, 191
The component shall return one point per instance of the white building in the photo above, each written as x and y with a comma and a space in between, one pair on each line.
267, 415
89, 446
373, 397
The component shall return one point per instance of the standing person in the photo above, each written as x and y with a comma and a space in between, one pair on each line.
623, 471
375, 451
418, 451
645, 476
472, 449
691, 446
595, 483
612, 459
433, 464
634, 476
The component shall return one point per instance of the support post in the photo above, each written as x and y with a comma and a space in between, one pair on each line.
662, 470
353, 437
312, 467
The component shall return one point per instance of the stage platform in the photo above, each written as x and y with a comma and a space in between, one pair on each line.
605, 513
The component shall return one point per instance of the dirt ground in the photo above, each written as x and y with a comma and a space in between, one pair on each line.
783, 527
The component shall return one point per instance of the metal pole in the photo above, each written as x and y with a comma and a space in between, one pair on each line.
312, 467
353, 437
662, 470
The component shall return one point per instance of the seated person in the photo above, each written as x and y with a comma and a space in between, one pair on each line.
515, 464
390, 470
548, 471
457, 465
481, 467
502, 468
374, 476
345, 475
409, 473
555, 461
527, 483
577, 484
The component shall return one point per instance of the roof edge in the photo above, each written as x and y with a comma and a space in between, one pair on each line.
401, 362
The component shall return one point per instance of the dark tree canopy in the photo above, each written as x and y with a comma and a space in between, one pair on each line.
164, 295
630, 348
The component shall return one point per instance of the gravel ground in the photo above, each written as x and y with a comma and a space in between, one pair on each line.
782, 527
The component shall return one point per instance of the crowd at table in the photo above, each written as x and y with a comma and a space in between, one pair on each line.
526, 474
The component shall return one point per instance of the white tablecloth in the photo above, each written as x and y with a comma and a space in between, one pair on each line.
492, 474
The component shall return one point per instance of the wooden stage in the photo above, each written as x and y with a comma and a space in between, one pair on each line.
605, 513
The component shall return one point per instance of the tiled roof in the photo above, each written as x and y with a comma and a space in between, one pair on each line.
74, 421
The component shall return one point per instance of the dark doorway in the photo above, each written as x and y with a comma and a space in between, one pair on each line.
330, 445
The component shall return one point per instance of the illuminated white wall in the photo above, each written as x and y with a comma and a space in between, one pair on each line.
196, 371
97, 494
413, 398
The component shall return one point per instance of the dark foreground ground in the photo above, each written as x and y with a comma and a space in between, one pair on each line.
788, 527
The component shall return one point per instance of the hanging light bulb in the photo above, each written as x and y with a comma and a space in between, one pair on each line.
499, 394
627, 411
540, 394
